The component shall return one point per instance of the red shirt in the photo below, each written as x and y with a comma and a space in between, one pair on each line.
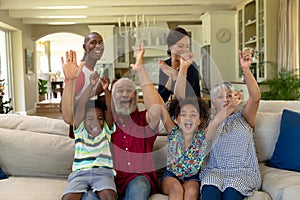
133, 143
80, 81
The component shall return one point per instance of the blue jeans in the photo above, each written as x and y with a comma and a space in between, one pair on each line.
210, 192
89, 195
138, 188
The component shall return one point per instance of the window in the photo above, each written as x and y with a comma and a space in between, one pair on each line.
5, 63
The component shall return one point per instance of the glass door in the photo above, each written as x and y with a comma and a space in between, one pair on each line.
5, 65
260, 56
6, 82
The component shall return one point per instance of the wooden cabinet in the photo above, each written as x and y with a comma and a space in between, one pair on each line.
258, 30
206, 29
122, 48
250, 21
155, 42
126, 43
218, 52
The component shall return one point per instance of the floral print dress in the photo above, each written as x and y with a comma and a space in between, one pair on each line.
185, 162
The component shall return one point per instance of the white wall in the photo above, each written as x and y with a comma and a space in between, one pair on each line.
24, 86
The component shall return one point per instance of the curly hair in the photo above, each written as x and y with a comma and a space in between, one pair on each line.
175, 105
98, 103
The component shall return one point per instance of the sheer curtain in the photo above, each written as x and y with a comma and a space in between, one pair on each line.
288, 36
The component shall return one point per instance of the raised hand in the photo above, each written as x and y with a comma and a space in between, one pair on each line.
245, 58
94, 77
236, 99
70, 67
139, 64
186, 60
169, 71
105, 82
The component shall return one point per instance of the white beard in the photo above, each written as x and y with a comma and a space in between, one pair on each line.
121, 110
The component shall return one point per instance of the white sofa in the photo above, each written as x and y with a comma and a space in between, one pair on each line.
37, 154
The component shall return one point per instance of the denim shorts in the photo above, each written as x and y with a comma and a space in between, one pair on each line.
168, 173
97, 179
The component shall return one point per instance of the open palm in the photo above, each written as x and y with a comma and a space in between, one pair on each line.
70, 67
139, 58
169, 71
245, 59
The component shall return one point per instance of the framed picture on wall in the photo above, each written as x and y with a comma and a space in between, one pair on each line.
29, 62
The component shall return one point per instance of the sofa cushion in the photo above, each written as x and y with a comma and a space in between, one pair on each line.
259, 195
265, 134
2, 174
280, 184
158, 197
25, 153
287, 152
32, 188
34, 124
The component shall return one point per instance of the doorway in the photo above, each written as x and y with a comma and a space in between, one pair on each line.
49, 50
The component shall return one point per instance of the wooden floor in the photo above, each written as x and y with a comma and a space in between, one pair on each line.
48, 108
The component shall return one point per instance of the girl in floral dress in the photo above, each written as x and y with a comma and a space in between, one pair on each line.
187, 145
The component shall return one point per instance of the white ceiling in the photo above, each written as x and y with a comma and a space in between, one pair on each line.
109, 11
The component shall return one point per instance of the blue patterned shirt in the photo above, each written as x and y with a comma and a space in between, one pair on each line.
232, 161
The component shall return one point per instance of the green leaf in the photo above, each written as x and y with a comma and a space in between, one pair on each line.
285, 84
42, 86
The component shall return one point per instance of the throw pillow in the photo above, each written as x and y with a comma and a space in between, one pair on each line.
287, 152
266, 134
2, 174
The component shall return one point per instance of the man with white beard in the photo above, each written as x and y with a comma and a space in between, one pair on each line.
135, 134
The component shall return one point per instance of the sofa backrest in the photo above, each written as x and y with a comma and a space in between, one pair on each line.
25, 153
34, 124
267, 127
35, 146
266, 134
278, 105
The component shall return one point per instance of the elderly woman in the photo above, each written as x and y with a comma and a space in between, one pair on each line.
232, 171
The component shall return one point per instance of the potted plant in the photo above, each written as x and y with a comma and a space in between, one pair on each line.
285, 85
42, 89
5, 106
